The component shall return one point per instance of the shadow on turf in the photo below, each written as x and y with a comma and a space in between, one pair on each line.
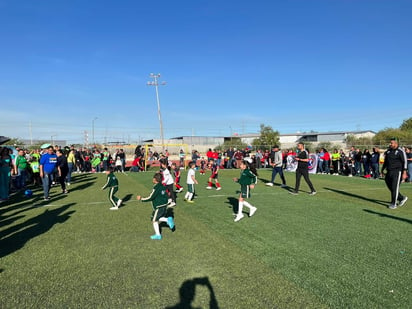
16, 236
384, 203
388, 216
187, 293
234, 204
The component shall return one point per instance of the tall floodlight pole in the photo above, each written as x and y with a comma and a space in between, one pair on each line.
156, 84
94, 119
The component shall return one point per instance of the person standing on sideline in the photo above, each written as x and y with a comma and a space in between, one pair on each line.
396, 166
191, 181
375, 158
409, 159
20, 169
48, 163
63, 170
276, 161
71, 163
247, 181
113, 184
302, 158
159, 199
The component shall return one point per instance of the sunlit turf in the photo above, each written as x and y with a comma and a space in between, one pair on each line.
342, 248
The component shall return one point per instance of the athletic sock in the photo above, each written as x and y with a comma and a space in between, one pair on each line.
156, 228
190, 196
239, 212
247, 204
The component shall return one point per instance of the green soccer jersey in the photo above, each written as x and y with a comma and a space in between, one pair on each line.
111, 181
21, 162
158, 196
247, 177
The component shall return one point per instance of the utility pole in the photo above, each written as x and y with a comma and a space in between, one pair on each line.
156, 84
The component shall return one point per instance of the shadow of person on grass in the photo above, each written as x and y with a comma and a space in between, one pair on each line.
375, 201
388, 216
128, 197
15, 237
233, 203
187, 293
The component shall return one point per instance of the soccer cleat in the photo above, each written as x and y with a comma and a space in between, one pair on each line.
190, 201
252, 211
270, 184
156, 237
119, 202
170, 222
392, 206
312, 193
208, 187
293, 192
179, 190
401, 203
171, 204
239, 217
114, 208
218, 188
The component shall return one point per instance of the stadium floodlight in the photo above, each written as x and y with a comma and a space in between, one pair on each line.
156, 84
94, 119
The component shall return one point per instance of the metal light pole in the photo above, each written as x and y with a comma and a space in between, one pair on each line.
93, 130
156, 84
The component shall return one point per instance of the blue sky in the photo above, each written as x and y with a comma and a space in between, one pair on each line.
296, 65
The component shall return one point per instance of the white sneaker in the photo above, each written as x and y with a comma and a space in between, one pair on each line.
252, 211
180, 190
172, 204
114, 208
270, 184
218, 188
239, 217
401, 203
208, 188
119, 202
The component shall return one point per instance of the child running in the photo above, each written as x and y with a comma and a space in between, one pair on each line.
215, 170
191, 181
113, 184
176, 171
159, 200
247, 181
168, 181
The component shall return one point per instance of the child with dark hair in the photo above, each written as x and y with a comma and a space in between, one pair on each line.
62, 169
191, 181
176, 172
247, 181
159, 200
168, 181
113, 184
214, 176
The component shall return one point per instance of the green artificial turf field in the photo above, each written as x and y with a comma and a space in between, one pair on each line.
342, 248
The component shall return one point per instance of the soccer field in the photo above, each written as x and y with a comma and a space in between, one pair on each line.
342, 248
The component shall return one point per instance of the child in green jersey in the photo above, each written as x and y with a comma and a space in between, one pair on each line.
159, 199
247, 181
113, 184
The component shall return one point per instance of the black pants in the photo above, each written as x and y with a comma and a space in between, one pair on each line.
305, 174
393, 181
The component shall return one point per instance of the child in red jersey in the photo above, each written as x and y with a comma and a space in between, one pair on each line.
176, 171
202, 166
215, 170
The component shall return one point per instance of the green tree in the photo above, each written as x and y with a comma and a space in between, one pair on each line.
406, 125
234, 142
268, 137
